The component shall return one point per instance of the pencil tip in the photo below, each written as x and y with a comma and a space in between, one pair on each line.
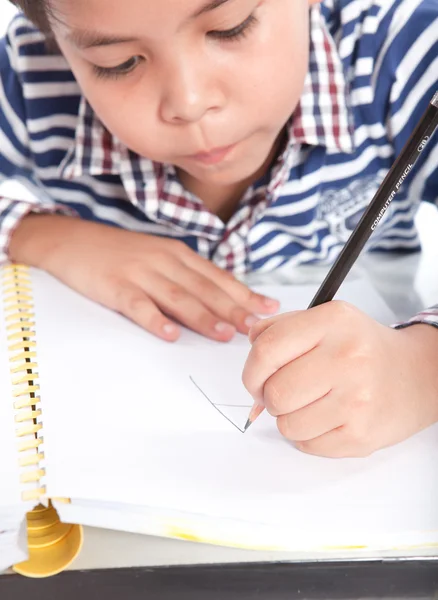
247, 424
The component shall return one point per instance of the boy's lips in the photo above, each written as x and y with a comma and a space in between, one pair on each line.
213, 156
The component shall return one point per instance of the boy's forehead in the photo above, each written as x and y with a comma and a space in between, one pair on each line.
145, 13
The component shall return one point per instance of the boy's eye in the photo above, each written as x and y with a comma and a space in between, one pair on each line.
118, 71
235, 33
132, 63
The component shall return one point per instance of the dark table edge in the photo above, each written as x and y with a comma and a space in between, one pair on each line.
387, 578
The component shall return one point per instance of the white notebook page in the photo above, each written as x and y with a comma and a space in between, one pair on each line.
123, 422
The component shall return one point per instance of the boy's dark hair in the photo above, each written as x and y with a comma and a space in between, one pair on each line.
36, 11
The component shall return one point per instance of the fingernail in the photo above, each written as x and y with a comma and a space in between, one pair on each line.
251, 320
221, 327
169, 329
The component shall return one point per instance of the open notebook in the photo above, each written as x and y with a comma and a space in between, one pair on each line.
144, 436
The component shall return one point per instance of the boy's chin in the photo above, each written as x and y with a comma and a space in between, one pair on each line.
224, 174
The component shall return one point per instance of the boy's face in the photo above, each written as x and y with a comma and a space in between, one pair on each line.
204, 85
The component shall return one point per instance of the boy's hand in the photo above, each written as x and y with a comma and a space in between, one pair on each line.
153, 281
341, 384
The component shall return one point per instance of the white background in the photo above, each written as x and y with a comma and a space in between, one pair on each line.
7, 11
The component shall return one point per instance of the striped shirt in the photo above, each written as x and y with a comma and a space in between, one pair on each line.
373, 69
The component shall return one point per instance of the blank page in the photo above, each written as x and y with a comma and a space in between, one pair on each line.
125, 423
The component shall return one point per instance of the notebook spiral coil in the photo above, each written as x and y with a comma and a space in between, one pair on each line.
20, 334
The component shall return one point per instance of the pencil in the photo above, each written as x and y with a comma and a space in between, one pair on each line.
374, 213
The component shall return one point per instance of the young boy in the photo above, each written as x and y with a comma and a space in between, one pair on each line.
168, 145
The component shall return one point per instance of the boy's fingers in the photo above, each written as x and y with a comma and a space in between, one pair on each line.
174, 300
313, 420
134, 304
334, 444
263, 324
300, 383
238, 291
215, 299
280, 343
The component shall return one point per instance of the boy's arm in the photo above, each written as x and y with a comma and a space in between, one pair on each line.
19, 193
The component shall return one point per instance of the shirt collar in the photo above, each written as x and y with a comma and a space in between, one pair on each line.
322, 118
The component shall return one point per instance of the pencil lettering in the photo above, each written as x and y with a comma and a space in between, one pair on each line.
423, 144
391, 196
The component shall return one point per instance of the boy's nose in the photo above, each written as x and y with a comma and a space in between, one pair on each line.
188, 95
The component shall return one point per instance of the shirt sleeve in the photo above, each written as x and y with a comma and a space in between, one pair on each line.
16, 162
415, 81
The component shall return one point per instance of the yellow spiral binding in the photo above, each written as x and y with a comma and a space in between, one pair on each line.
52, 545
20, 332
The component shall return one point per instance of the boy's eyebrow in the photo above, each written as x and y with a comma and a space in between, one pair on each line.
84, 39
210, 5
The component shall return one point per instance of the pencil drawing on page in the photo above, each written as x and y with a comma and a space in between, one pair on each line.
226, 410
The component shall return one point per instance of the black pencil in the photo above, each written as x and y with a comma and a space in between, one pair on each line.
372, 216
377, 207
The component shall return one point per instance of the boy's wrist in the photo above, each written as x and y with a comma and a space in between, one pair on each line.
423, 339
36, 238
